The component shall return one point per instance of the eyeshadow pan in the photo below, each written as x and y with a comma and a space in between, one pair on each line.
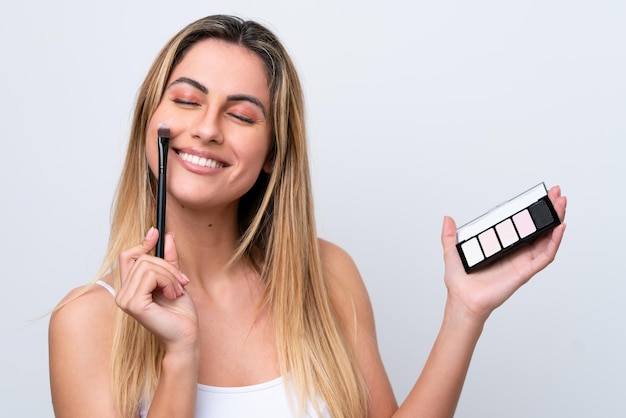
524, 223
505, 227
506, 232
489, 242
472, 251
541, 214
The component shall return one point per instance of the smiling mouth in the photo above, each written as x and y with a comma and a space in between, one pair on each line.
201, 161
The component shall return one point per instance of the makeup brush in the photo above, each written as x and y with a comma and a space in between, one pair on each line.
163, 142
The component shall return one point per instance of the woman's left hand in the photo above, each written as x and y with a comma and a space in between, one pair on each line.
479, 293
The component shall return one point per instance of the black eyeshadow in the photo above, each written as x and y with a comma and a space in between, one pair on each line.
541, 214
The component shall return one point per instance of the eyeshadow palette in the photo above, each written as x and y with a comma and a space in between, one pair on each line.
505, 228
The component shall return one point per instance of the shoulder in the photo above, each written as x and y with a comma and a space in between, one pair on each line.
351, 303
84, 318
338, 267
344, 284
333, 256
83, 306
80, 334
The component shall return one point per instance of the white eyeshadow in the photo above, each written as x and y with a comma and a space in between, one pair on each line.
473, 253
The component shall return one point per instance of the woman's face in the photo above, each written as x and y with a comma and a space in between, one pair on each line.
217, 105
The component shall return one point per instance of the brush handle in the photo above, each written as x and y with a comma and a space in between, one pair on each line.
161, 192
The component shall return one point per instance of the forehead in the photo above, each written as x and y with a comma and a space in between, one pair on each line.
224, 66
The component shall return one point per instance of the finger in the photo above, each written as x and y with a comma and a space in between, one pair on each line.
554, 192
448, 241
147, 265
158, 276
136, 262
170, 253
558, 201
448, 233
130, 255
171, 256
148, 274
547, 254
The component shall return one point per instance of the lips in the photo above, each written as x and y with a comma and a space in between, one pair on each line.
200, 161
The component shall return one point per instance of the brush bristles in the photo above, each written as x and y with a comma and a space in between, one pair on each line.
164, 130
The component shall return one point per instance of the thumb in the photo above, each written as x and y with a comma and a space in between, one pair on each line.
451, 257
448, 241
169, 251
448, 233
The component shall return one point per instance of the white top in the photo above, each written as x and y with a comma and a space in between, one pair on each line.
106, 286
264, 400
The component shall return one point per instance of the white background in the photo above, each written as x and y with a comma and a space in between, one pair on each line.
415, 110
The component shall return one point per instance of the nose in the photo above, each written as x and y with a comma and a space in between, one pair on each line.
206, 127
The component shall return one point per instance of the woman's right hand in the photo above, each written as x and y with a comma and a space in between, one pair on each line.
152, 292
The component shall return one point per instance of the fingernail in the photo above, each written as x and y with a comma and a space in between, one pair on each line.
150, 233
185, 278
181, 291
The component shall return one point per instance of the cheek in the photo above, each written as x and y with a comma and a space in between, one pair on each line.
258, 156
152, 150
162, 114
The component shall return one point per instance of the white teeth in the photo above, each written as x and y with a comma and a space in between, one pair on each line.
205, 162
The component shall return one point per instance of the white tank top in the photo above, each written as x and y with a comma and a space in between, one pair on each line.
264, 400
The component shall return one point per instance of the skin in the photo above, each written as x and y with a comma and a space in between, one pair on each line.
207, 317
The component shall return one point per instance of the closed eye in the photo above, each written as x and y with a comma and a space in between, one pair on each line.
185, 102
242, 118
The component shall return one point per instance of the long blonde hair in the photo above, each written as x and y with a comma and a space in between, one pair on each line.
278, 237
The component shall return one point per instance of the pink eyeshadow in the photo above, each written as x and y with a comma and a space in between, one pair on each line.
489, 242
524, 223
506, 232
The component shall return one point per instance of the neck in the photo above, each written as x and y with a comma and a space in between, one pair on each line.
205, 240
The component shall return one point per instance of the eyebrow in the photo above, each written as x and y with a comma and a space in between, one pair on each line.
247, 98
191, 82
231, 98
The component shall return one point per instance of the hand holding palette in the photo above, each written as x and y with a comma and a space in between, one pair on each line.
505, 228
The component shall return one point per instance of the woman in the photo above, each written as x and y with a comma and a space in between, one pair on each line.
249, 313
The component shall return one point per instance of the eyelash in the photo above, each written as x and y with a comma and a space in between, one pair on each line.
185, 102
242, 118
236, 116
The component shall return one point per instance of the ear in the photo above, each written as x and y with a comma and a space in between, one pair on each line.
268, 165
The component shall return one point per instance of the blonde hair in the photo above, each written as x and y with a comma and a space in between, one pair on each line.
278, 237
